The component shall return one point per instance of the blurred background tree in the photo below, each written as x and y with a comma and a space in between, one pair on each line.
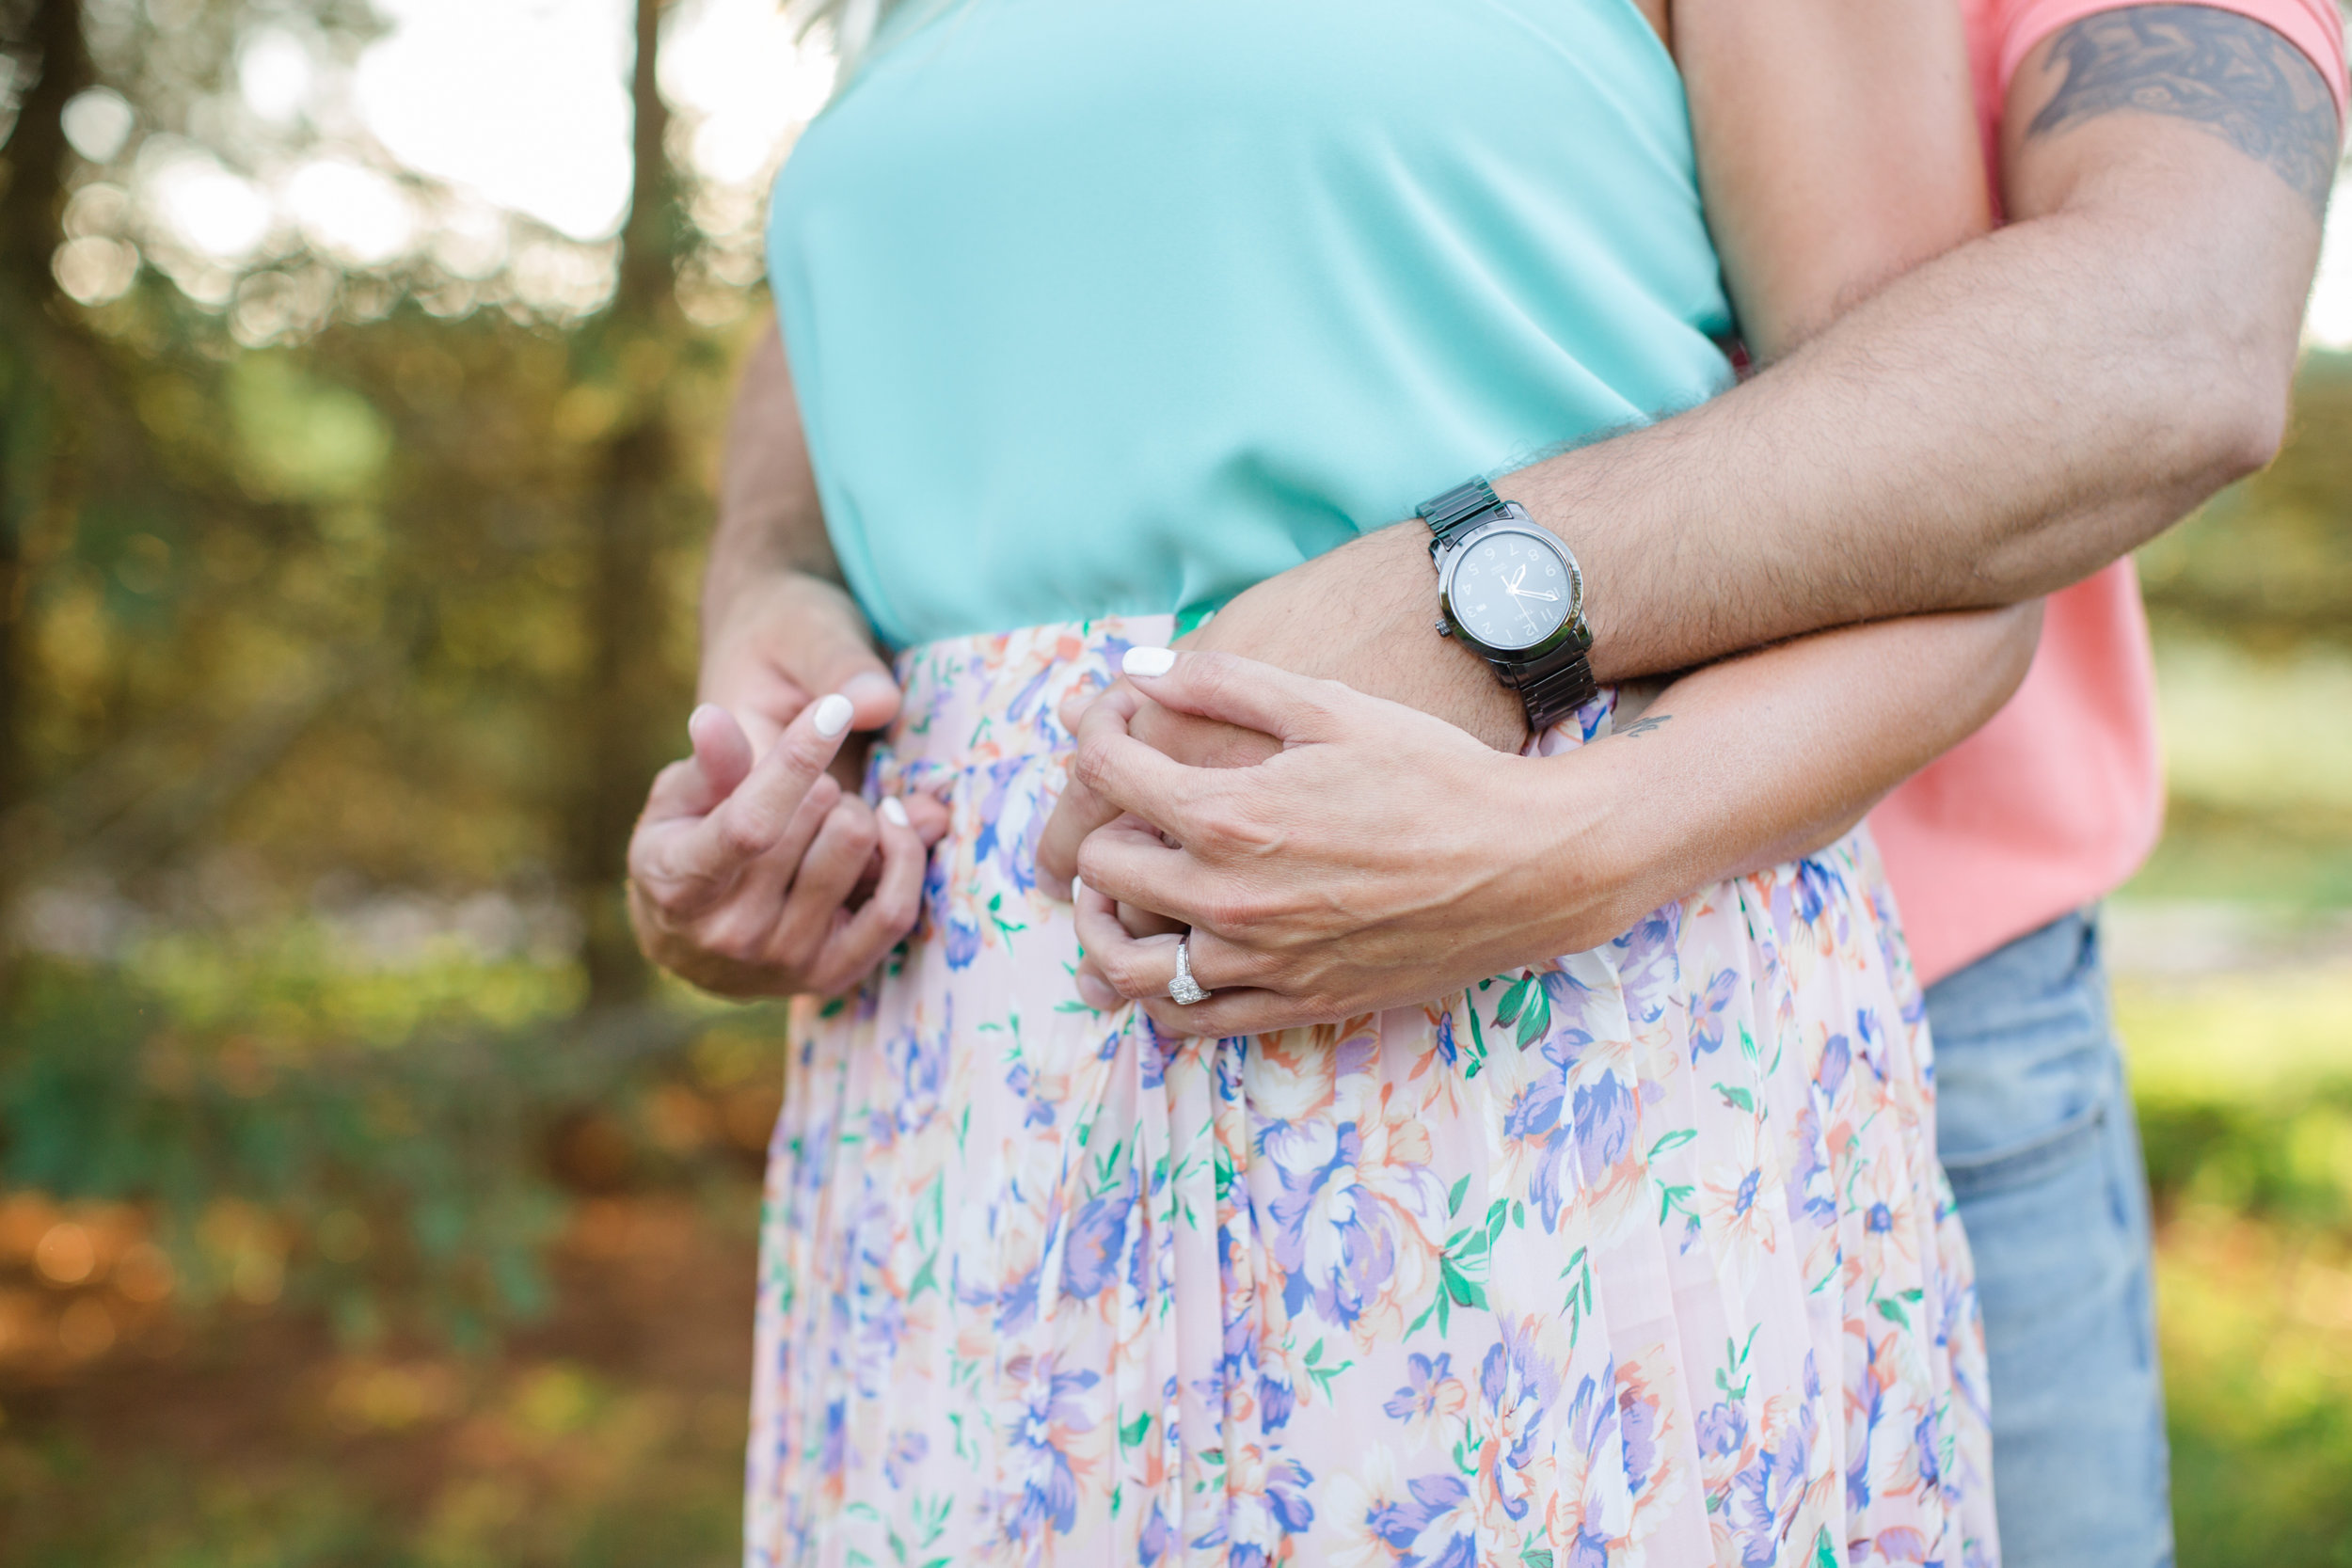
363, 1199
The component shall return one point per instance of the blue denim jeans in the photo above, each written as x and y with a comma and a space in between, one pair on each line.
2035, 1126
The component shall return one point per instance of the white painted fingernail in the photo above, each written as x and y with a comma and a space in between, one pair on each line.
1149, 661
832, 715
894, 813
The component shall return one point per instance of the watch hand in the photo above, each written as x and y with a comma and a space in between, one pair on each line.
1530, 592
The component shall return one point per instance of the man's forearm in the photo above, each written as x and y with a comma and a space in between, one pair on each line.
1997, 423
769, 517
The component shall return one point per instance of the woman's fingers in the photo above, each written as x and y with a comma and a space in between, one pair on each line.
1118, 966
1238, 1010
927, 814
758, 816
828, 874
861, 940
1081, 808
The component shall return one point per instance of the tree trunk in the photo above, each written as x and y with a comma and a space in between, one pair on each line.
623, 692
32, 206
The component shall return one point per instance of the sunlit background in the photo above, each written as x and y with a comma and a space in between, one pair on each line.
362, 1200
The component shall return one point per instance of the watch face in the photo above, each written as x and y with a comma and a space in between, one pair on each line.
1511, 590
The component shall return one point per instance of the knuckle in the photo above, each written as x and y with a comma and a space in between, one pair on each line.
748, 829
859, 833
1124, 973
899, 911
1232, 912
1090, 863
1092, 763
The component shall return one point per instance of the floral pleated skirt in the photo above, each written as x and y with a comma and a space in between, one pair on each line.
1639, 1256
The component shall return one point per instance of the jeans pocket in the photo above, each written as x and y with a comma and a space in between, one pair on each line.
2025, 1065
2029, 1160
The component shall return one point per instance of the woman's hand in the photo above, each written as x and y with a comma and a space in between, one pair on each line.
1380, 858
762, 878
1383, 645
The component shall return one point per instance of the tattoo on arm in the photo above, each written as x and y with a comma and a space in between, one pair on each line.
2225, 71
1644, 724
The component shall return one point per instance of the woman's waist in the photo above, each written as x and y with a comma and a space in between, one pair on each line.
993, 697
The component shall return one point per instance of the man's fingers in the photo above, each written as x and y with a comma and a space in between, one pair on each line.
1293, 709
1126, 863
1136, 921
1079, 700
1123, 774
1080, 810
827, 648
1077, 813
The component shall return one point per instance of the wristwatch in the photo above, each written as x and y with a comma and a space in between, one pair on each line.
1511, 590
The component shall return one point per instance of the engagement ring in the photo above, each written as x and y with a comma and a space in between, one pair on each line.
1185, 990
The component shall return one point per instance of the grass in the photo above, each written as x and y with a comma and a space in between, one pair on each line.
2245, 1088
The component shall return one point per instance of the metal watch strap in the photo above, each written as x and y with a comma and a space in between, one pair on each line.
1557, 686
1457, 511
1558, 683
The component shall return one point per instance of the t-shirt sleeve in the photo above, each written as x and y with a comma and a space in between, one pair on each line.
2314, 26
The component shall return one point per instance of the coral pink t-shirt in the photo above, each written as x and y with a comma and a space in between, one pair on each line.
2061, 796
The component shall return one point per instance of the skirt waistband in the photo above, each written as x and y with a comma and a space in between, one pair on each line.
993, 697
996, 696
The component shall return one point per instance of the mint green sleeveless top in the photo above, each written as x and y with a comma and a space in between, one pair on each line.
1123, 306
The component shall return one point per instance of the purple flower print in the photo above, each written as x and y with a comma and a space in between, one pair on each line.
964, 942
1533, 1115
1018, 710
1001, 775
1050, 1407
1649, 965
1722, 1428
1419, 1397
1158, 1540
1637, 1428
906, 1451
1816, 885
1837, 1057
1808, 1192
1707, 1014
1252, 1523
1437, 1528
1605, 1122
1333, 1242
1097, 1239
1517, 1386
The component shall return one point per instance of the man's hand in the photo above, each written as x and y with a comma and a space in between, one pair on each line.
1295, 621
1300, 912
775, 640
745, 878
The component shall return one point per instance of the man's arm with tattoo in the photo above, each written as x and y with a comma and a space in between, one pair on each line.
1990, 426
2245, 83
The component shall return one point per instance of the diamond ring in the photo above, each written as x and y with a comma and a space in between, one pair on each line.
1185, 990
